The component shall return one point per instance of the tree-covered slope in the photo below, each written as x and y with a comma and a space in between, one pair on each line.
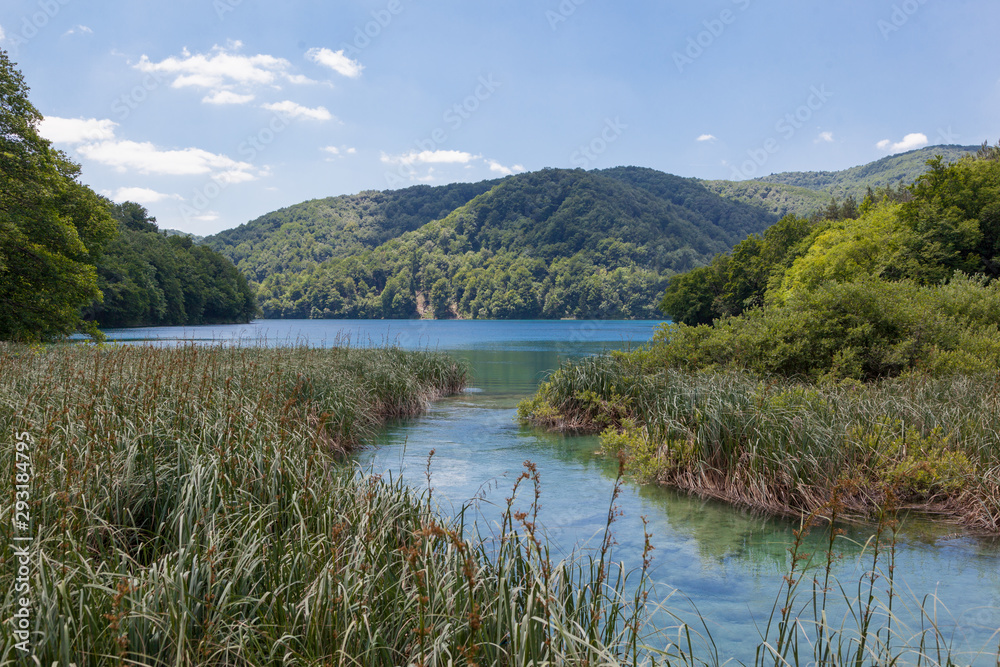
554, 243
148, 278
775, 198
890, 171
734, 217
301, 236
906, 284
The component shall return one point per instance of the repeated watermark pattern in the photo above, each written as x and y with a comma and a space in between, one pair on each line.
586, 155
900, 16
787, 127
34, 23
714, 28
223, 7
454, 117
249, 149
561, 14
365, 35
22, 537
123, 106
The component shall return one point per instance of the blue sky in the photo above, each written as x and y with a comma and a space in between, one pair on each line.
213, 112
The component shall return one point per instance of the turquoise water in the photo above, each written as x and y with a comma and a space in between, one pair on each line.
727, 562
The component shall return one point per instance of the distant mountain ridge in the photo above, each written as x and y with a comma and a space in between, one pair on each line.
547, 244
890, 171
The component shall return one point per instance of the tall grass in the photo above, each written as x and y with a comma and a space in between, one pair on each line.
786, 446
191, 506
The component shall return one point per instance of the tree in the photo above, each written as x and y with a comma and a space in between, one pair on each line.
149, 279
52, 228
441, 296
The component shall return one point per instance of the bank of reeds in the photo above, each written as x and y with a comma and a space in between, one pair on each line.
789, 447
191, 506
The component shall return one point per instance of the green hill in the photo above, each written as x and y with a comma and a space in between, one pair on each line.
888, 172
151, 278
306, 234
549, 244
775, 198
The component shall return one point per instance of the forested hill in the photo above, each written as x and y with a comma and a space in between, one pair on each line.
300, 236
554, 243
550, 244
889, 172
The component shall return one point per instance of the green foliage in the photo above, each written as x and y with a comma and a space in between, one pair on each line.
738, 281
149, 279
775, 198
865, 297
789, 446
52, 228
552, 244
918, 466
889, 172
299, 237
865, 329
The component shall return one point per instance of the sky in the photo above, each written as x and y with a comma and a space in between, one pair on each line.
212, 113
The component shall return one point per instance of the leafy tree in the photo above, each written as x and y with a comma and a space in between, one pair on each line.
441, 296
737, 281
52, 228
151, 279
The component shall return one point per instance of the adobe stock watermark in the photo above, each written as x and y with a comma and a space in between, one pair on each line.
714, 29
787, 127
900, 16
22, 539
562, 13
34, 23
123, 107
948, 136
249, 149
365, 35
586, 155
454, 118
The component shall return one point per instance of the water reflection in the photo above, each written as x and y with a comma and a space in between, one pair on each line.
727, 562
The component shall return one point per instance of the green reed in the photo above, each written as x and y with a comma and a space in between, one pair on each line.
192, 506
784, 446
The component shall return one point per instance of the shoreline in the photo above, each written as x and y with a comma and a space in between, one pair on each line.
791, 449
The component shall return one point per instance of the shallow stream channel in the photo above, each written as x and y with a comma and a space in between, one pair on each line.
718, 568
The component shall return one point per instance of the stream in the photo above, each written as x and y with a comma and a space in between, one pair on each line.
725, 562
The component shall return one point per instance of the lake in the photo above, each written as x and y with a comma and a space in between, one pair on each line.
727, 562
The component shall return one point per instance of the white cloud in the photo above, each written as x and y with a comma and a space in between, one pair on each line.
148, 159
141, 195
227, 97
3, 35
337, 61
298, 111
501, 169
219, 69
207, 216
80, 29
910, 142
707, 137
340, 151
826, 137
300, 79
430, 157
76, 130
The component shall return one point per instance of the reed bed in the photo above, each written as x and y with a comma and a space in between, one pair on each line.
192, 506
789, 447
